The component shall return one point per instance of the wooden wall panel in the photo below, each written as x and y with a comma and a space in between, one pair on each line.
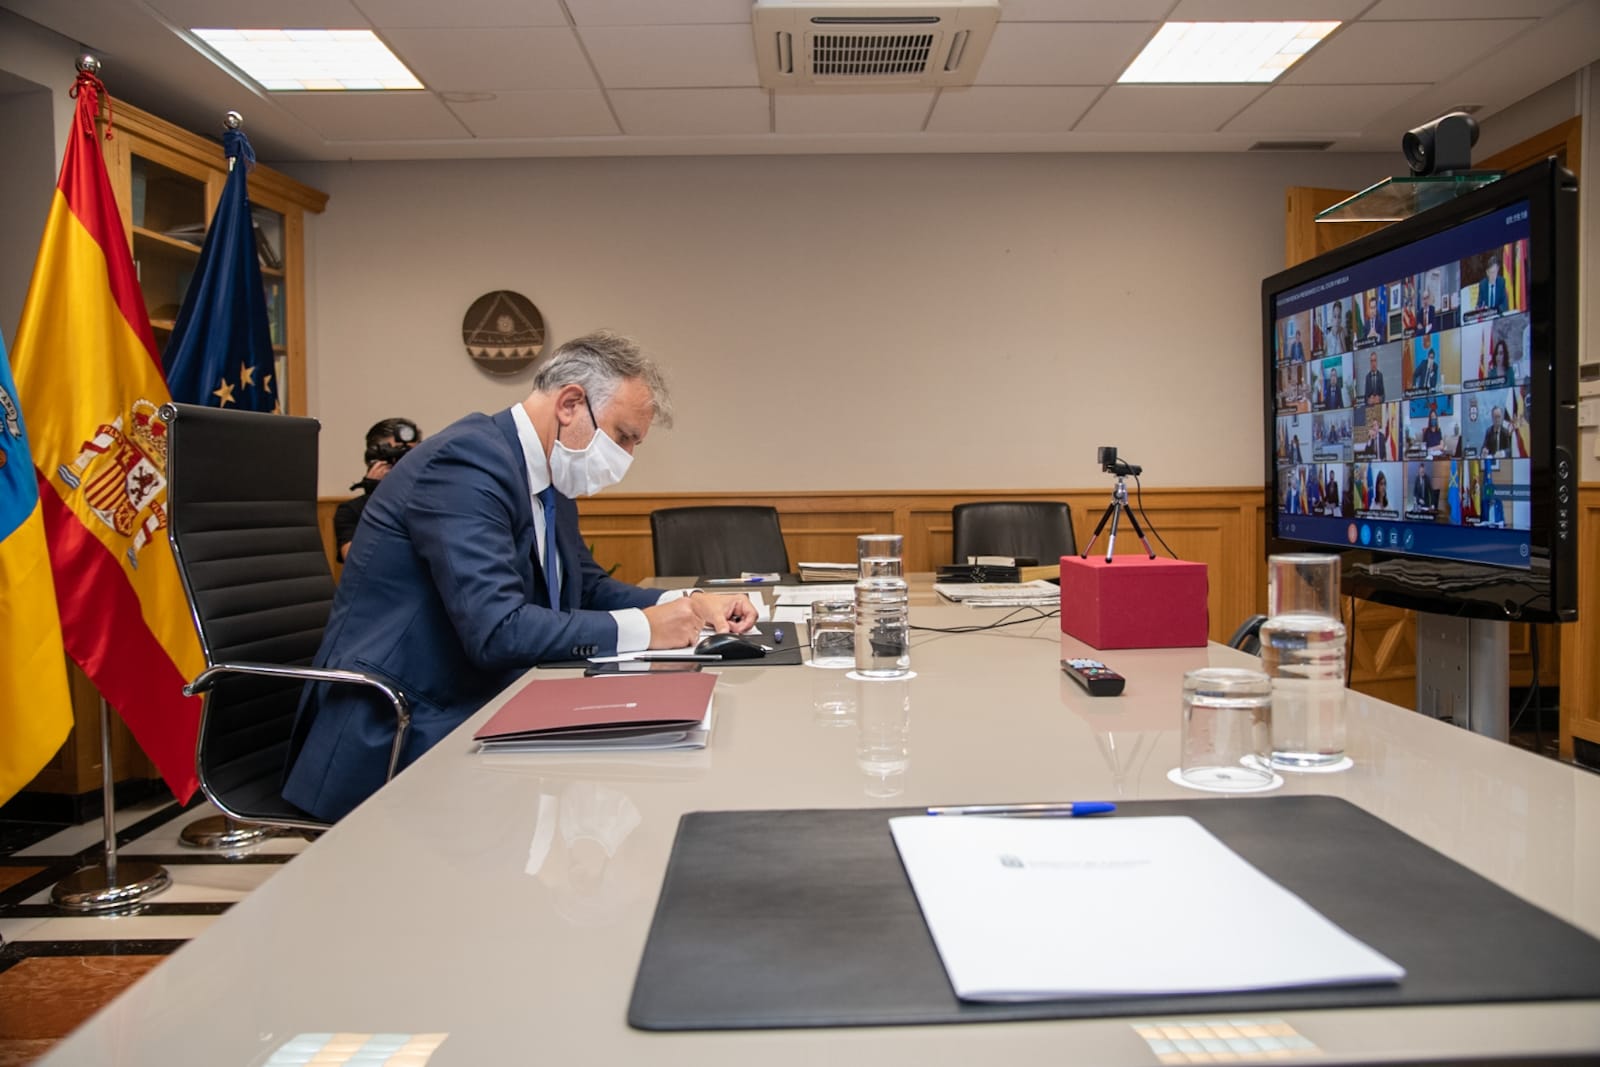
1580, 642
1220, 527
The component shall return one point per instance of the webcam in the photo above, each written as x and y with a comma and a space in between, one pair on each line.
1443, 146
1110, 464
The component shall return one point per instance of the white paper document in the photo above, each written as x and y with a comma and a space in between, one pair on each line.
1003, 594
788, 595
1043, 909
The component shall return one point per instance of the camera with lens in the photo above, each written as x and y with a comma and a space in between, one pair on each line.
402, 432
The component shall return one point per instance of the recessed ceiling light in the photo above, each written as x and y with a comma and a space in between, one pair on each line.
1189, 52
312, 60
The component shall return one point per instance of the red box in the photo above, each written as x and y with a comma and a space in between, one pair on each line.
1134, 602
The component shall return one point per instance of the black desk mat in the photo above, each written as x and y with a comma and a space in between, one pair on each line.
806, 918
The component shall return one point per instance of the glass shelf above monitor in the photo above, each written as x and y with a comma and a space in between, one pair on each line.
1394, 199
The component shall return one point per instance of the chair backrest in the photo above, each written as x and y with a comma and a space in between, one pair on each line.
1247, 638
1036, 529
720, 541
242, 499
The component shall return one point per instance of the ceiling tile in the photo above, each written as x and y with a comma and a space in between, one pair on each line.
1302, 110
1062, 53
262, 14
693, 111
1386, 52
657, 13
897, 112
472, 60
1083, 10
1167, 108
1011, 109
373, 116
1268, 10
671, 57
463, 13
544, 113
1459, 9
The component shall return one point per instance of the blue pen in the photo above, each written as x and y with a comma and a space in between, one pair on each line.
1082, 807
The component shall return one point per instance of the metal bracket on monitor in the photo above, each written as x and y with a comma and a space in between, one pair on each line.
1464, 672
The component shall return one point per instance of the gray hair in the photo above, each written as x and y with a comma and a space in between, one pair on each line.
600, 362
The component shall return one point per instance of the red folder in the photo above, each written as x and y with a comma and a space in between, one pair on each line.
621, 711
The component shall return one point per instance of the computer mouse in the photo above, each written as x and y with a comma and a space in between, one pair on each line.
728, 646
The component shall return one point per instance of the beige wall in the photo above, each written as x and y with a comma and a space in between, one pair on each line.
843, 322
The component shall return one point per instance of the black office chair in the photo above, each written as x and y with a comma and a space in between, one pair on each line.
1040, 530
718, 541
1247, 638
242, 518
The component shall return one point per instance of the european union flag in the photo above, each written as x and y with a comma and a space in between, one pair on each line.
220, 352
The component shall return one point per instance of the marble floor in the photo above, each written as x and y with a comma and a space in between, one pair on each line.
58, 968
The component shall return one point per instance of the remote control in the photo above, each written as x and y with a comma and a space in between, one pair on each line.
1096, 677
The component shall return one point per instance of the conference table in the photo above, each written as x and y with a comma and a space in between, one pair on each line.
501, 903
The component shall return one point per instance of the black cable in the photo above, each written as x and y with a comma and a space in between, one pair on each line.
1533, 690
1139, 492
1038, 615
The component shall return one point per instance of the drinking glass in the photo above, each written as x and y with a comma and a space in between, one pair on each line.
832, 632
1227, 716
1303, 652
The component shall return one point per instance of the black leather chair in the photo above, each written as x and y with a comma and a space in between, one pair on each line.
242, 499
1040, 530
1247, 638
718, 541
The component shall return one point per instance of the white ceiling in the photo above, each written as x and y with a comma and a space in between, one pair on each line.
666, 77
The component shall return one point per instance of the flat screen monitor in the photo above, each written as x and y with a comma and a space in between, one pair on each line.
1421, 415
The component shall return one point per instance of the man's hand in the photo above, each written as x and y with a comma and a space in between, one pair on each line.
377, 469
724, 613
675, 623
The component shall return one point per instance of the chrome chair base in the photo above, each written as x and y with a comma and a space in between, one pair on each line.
94, 889
219, 833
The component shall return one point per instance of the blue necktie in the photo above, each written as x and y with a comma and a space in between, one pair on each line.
552, 584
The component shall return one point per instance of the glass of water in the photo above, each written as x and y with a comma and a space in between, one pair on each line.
1303, 651
1227, 719
832, 631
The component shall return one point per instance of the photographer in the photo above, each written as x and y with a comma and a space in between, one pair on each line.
387, 441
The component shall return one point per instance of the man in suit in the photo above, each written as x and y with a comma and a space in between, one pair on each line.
1373, 389
1427, 371
453, 587
1492, 289
1497, 438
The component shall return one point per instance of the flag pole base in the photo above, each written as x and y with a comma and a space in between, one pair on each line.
94, 888
219, 833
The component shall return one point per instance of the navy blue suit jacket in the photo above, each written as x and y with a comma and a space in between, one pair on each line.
443, 596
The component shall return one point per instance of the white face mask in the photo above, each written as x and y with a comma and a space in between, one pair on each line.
585, 472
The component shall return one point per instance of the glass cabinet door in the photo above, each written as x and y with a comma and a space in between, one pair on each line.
269, 229
168, 215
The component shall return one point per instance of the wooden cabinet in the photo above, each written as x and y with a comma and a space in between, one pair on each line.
168, 182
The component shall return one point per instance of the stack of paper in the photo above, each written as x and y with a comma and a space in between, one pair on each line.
602, 714
1005, 594
1037, 909
829, 572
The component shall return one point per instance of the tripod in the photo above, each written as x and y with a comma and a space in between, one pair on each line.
1114, 512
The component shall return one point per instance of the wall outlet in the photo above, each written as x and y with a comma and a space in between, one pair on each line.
1589, 411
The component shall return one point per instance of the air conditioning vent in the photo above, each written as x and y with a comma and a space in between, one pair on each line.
859, 44
1291, 146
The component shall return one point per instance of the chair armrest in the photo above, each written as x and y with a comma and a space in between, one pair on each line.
208, 678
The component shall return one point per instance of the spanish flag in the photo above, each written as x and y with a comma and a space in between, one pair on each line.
35, 709
87, 368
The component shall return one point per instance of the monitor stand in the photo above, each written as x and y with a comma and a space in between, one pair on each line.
1464, 672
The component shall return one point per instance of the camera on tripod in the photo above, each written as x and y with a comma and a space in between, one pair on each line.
1120, 467
1119, 503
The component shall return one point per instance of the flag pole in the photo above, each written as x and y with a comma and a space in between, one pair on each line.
109, 885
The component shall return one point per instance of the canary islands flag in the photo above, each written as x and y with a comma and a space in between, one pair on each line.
87, 370
220, 352
35, 708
